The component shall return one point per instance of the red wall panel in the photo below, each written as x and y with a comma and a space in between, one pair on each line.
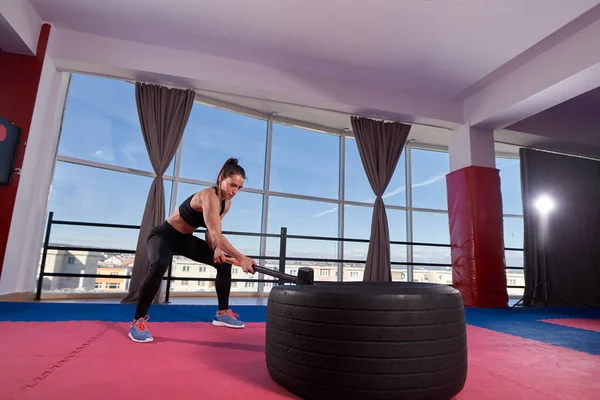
19, 80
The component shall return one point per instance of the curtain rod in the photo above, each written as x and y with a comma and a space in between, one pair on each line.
562, 153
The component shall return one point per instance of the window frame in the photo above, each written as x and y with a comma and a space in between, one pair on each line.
266, 191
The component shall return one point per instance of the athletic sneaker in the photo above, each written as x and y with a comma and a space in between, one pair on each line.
229, 319
138, 331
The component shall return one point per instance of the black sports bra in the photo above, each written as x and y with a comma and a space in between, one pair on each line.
192, 217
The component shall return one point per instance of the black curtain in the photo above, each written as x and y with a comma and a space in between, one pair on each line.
562, 247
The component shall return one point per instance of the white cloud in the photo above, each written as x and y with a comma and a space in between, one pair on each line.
104, 156
431, 180
323, 213
398, 190
402, 189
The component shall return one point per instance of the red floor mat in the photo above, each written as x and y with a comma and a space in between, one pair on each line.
503, 366
96, 360
186, 361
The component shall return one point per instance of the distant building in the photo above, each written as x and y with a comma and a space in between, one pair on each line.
123, 268
200, 277
72, 262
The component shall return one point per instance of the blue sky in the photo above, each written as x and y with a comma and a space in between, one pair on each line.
101, 125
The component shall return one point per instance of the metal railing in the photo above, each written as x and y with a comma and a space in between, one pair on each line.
283, 236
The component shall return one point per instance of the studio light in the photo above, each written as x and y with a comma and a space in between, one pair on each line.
544, 204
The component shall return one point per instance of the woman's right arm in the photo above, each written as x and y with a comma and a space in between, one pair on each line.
211, 207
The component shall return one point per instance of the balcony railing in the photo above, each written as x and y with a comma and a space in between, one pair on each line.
283, 236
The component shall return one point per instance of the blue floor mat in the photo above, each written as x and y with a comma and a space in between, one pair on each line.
525, 323
522, 322
54, 312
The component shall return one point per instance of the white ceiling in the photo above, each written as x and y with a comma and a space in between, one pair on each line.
429, 50
430, 47
9, 40
326, 120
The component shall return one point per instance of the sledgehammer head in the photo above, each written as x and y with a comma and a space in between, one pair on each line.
306, 276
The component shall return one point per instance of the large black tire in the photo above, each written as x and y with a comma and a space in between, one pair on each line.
367, 340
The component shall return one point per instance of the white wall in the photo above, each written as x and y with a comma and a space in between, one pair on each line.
471, 147
27, 226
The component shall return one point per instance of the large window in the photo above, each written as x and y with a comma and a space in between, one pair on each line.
512, 205
356, 184
510, 181
101, 124
92, 194
305, 162
213, 135
430, 227
307, 218
429, 170
310, 182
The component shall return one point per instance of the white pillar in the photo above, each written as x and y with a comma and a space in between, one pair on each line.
25, 240
475, 219
471, 146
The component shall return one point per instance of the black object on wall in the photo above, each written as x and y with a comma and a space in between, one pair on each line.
9, 144
562, 247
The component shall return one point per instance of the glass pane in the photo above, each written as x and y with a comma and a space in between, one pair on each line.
88, 194
356, 184
116, 267
513, 238
305, 162
514, 258
213, 135
429, 170
101, 124
510, 181
397, 226
357, 225
429, 227
433, 275
515, 278
513, 232
304, 217
94, 237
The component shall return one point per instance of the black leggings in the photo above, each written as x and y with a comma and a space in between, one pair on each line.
163, 242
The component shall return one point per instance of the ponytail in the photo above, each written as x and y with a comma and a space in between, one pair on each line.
229, 168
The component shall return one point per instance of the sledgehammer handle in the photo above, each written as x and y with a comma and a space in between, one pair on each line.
257, 268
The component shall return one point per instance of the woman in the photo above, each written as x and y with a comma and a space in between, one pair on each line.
175, 236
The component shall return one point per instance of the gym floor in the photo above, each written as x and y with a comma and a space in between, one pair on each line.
81, 350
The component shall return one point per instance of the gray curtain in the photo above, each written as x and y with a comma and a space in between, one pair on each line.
380, 145
163, 114
562, 248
